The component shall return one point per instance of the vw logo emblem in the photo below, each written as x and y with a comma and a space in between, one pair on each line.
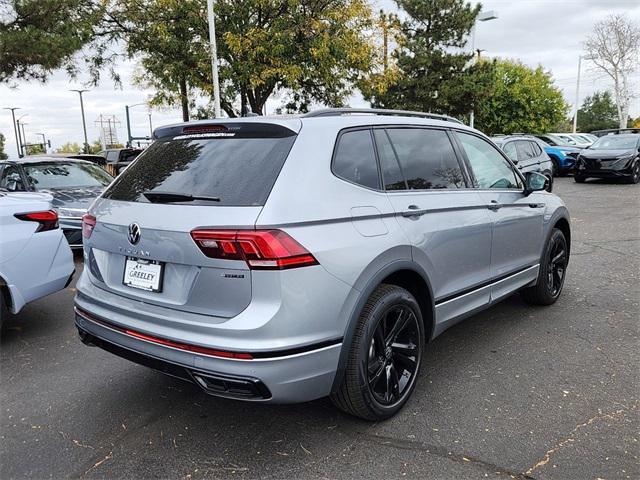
134, 233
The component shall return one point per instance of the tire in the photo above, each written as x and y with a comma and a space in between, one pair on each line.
634, 178
4, 312
372, 387
579, 178
556, 168
553, 270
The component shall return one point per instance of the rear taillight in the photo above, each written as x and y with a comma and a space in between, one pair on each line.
261, 249
88, 223
47, 220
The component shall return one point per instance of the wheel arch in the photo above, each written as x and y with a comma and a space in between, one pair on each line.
563, 225
403, 273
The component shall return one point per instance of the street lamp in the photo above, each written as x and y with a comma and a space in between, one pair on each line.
84, 125
214, 58
15, 130
482, 17
126, 109
575, 115
44, 142
21, 138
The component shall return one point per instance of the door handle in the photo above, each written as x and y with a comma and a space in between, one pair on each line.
494, 205
414, 211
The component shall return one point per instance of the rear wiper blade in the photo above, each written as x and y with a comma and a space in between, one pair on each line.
170, 197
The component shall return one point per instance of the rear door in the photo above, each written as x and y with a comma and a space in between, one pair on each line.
527, 161
447, 223
144, 220
517, 219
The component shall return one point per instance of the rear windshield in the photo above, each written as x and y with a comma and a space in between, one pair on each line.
66, 175
238, 170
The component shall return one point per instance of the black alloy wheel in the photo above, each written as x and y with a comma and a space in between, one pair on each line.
557, 265
394, 353
384, 356
635, 172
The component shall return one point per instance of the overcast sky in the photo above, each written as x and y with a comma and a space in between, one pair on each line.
538, 32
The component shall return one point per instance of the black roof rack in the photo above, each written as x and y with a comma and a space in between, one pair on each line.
614, 131
336, 112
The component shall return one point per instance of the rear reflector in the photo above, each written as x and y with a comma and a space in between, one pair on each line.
47, 220
261, 249
88, 224
212, 352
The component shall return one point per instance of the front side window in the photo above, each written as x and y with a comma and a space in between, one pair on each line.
355, 159
510, 150
48, 175
489, 167
426, 157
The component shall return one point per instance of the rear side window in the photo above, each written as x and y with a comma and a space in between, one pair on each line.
239, 169
426, 157
355, 159
537, 151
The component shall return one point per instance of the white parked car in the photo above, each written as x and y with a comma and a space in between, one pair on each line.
35, 258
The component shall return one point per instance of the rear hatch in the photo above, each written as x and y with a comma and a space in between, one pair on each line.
199, 176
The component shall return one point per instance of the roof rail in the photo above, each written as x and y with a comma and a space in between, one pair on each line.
615, 131
337, 112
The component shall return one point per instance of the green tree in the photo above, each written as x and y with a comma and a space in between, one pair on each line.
306, 50
3, 154
598, 112
39, 36
433, 73
34, 149
70, 147
522, 100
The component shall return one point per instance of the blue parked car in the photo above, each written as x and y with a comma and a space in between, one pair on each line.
561, 154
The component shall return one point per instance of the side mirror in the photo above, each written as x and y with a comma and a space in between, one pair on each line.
535, 182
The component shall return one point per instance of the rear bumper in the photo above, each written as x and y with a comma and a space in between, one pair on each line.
298, 377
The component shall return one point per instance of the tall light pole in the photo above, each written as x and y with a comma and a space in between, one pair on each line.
24, 138
21, 137
482, 17
84, 124
575, 113
44, 141
150, 126
15, 130
126, 110
214, 58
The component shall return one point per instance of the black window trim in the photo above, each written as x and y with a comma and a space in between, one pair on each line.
504, 155
461, 164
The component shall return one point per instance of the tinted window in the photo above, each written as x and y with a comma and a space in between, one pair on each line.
112, 156
355, 159
47, 175
490, 169
614, 142
510, 150
537, 151
427, 159
11, 179
240, 170
525, 150
391, 173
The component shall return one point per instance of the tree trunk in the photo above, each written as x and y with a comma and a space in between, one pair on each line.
184, 99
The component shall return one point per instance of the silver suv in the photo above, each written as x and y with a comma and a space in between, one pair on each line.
287, 259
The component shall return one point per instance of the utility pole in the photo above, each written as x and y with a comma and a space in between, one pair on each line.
24, 138
150, 126
214, 58
15, 130
21, 138
482, 17
84, 125
575, 115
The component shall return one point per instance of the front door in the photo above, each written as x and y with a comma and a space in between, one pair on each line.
517, 219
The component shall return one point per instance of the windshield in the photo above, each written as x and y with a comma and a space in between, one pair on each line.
614, 142
47, 175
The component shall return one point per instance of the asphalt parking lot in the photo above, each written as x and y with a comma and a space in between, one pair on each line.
514, 392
